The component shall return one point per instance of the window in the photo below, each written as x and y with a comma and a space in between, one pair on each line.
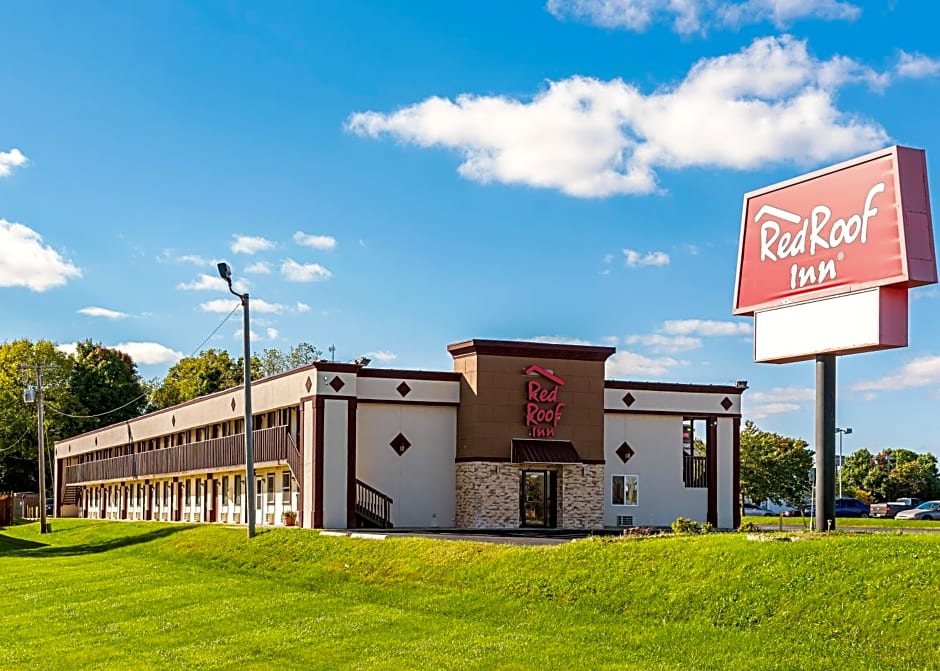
238, 490
259, 487
270, 487
285, 488
189, 490
697, 433
198, 492
224, 490
623, 490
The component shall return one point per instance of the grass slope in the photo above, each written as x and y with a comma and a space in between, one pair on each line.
106, 595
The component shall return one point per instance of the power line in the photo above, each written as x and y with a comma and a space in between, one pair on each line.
131, 402
18, 441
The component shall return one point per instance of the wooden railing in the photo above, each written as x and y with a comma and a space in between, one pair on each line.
694, 471
270, 445
373, 506
295, 462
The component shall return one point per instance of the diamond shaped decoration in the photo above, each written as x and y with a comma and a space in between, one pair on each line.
308, 384
403, 389
233, 405
337, 383
173, 420
726, 403
629, 399
625, 452
400, 444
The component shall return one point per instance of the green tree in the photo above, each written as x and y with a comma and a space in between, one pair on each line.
892, 473
773, 467
207, 373
273, 361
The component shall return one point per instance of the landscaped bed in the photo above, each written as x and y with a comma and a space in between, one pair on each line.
96, 594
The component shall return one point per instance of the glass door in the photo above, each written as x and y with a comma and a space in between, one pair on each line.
537, 499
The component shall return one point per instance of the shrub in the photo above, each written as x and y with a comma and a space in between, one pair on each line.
684, 525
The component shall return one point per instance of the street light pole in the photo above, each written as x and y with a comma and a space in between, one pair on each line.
226, 273
841, 432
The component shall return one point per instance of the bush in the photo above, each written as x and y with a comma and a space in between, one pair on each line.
685, 526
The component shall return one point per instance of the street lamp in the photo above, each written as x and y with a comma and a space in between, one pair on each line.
841, 433
226, 273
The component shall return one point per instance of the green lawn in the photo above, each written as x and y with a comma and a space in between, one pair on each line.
873, 523
109, 595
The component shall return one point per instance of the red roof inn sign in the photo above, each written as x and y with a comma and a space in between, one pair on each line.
826, 259
542, 408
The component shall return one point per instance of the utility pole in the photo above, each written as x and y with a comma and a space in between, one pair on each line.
43, 527
332, 349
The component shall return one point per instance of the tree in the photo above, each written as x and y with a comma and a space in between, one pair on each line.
192, 377
773, 467
274, 361
892, 473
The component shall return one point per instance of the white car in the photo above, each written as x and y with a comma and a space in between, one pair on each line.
751, 510
929, 510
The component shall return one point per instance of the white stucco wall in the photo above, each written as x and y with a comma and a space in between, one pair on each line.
422, 480
679, 402
335, 463
662, 495
725, 454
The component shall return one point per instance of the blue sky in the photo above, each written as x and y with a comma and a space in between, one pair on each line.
392, 177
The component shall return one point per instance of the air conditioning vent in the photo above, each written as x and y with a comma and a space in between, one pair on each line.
624, 520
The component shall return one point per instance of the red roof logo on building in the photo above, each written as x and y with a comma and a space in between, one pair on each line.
542, 408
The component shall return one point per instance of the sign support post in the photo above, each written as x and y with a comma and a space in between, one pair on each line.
825, 442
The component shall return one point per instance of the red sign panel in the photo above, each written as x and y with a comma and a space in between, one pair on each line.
853, 226
542, 408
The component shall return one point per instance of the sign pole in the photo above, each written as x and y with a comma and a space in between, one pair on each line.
825, 442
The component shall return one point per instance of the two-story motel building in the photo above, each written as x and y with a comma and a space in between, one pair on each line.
519, 435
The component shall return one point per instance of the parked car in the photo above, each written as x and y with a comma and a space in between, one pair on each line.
750, 510
892, 508
852, 508
929, 510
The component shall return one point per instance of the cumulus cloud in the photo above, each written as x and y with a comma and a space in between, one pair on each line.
783, 395
697, 16
382, 356
301, 307
634, 258
26, 262
768, 409
326, 242
211, 283
304, 272
771, 103
706, 327
258, 268
558, 340
250, 244
915, 66
920, 372
149, 353
272, 333
623, 364
10, 160
93, 311
666, 344
259, 305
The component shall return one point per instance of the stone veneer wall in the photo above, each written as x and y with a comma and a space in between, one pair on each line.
488, 495
581, 493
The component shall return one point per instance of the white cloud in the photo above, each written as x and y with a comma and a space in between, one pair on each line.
93, 311
770, 103
634, 258
706, 327
304, 272
696, 16
919, 372
558, 340
272, 333
782, 395
250, 244
269, 334
258, 305
67, 348
611, 341
316, 241
301, 307
871, 396
11, 159
917, 65
26, 262
211, 283
623, 364
764, 411
667, 344
149, 353
167, 255
258, 268
383, 356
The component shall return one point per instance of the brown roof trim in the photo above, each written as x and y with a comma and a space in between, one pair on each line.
393, 373
669, 413
336, 367
538, 350
675, 386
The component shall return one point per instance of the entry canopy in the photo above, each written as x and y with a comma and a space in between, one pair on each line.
529, 451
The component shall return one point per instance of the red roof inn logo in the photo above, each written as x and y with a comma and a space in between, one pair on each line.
857, 225
542, 408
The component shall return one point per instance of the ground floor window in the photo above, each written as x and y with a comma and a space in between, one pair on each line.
537, 498
623, 490
238, 490
224, 490
285, 488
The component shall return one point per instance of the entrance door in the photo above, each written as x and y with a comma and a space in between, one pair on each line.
537, 499
259, 501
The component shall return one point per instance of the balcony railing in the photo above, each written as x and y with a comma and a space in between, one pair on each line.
270, 445
694, 471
